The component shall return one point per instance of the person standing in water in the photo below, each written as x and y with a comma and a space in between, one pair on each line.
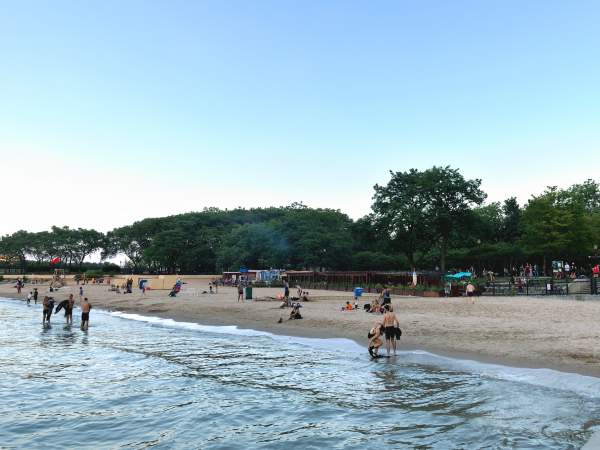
80, 292
390, 323
35, 295
69, 309
85, 314
29, 297
375, 340
48, 304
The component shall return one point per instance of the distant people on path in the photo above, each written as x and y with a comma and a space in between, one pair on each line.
391, 324
48, 306
85, 314
35, 295
240, 290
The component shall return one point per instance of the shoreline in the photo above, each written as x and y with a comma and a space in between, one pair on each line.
293, 331
563, 335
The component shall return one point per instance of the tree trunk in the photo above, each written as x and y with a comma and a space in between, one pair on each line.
443, 251
544, 265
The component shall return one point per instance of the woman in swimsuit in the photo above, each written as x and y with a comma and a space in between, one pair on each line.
375, 340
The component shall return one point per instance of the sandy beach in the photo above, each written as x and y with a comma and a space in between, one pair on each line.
558, 333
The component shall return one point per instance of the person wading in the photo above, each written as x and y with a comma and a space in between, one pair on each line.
85, 314
390, 323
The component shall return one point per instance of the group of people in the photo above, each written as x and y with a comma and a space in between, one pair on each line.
389, 327
68, 305
379, 304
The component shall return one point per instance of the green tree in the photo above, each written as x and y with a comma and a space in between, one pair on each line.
555, 225
419, 208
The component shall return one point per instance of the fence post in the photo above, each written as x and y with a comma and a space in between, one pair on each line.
526, 286
567, 282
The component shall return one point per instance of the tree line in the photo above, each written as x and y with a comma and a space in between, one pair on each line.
431, 219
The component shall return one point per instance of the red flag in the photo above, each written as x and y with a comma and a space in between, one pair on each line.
55, 260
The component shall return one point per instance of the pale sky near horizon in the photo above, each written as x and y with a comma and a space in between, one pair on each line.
113, 111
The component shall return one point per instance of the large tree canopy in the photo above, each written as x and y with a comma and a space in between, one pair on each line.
420, 219
420, 209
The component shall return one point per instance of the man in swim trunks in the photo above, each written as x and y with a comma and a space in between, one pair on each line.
390, 323
240, 292
69, 309
48, 305
35, 295
85, 314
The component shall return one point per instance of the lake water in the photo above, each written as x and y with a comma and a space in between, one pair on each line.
137, 382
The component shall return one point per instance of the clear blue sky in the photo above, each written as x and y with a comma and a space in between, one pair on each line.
128, 109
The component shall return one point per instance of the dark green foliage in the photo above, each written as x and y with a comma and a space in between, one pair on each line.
422, 219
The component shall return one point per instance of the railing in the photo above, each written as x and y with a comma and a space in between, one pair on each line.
543, 286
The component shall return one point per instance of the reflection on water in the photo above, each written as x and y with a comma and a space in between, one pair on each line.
137, 385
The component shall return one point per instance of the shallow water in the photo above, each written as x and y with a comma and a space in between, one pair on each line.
158, 383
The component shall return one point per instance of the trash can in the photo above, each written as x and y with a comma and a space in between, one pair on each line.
248, 292
358, 291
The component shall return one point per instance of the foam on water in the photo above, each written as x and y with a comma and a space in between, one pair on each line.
580, 384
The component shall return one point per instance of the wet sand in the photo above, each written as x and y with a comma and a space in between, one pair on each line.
558, 333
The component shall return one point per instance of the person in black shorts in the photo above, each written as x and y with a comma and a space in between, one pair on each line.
85, 314
390, 323
48, 304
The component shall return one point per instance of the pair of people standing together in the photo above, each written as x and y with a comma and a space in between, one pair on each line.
390, 328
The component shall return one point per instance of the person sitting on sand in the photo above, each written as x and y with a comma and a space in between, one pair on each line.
295, 313
375, 340
347, 307
375, 307
305, 296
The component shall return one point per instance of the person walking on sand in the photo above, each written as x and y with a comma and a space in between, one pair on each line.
80, 292
240, 292
286, 291
35, 295
85, 314
470, 289
390, 323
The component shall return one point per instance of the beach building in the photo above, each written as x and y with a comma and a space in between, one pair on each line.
253, 275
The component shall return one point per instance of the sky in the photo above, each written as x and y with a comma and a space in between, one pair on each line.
113, 111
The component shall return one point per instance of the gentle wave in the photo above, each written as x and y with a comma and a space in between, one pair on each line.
583, 385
